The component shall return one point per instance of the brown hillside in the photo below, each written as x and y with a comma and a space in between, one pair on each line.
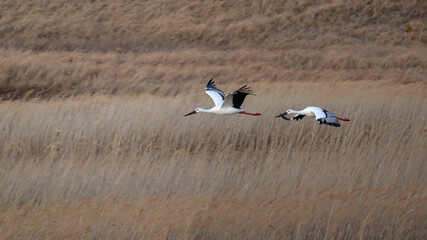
63, 48
141, 26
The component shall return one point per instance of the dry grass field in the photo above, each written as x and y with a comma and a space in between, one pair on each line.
94, 145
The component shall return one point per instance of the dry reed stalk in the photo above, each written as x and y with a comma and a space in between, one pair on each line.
131, 167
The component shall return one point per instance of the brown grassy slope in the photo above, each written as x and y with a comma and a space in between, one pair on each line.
167, 25
134, 167
62, 48
29, 74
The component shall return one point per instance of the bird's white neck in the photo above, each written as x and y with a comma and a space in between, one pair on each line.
291, 111
204, 110
306, 112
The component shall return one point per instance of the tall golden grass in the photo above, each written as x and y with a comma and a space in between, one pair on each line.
134, 167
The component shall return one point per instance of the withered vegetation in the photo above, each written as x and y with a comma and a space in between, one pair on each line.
94, 145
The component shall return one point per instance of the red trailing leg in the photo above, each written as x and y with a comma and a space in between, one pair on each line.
252, 114
343, 119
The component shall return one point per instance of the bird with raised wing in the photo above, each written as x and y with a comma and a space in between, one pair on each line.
322, 116
225, 104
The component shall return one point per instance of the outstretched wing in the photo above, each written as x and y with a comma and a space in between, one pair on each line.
325, 117
236, 98
217, 95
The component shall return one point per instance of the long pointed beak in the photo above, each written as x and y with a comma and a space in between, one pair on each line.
188, 114
282, 115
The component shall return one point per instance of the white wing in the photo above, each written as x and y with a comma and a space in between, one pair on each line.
325, 117
217, 95
318, 112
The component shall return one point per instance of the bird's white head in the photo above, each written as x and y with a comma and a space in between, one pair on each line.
282, 115
289, 111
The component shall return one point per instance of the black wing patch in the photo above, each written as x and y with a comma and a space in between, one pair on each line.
326, 112
212, 87
240, 95
298, 117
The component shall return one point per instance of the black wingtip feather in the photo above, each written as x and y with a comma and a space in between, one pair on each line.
211, 83
240, 95
246, 90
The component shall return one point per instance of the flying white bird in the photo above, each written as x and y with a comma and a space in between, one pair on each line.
225, 104
322, 116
